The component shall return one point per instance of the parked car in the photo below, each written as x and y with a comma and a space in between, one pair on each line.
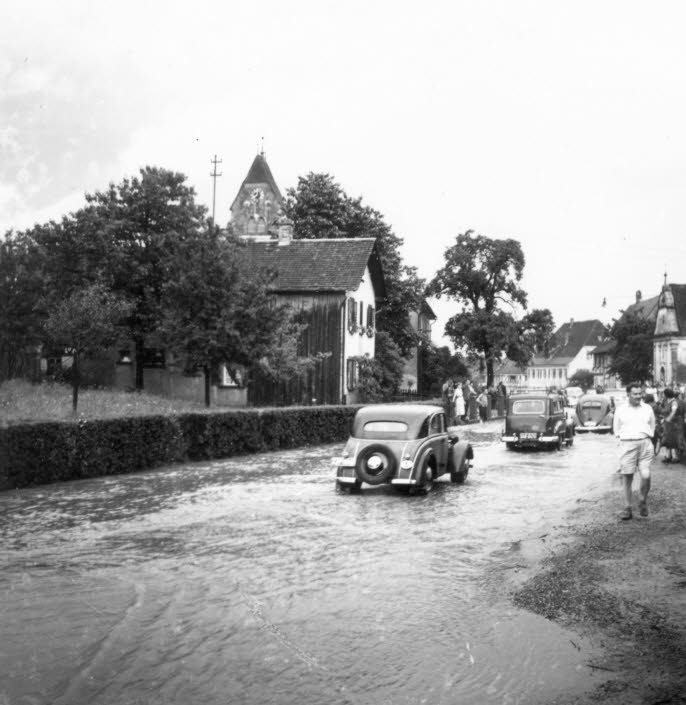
595, 413
408, 446
537, 419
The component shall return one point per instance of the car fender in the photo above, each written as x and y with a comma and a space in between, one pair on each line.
458, 453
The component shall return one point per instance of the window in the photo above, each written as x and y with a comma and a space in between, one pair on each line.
371, 323
229, 380
528, 406
437, 425
351, 374
352, 315
361, 319
385, 427
153, 357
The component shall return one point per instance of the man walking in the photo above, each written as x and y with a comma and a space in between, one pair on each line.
634, 425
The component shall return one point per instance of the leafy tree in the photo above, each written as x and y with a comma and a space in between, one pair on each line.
136, 226
21, 289
533, 334
379, 377
482, 274
439, 364
320, 208
217, 309
632, 358
86, 322
582, 378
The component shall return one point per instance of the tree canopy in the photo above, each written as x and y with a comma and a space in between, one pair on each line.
483, 275
632, 358
216, 309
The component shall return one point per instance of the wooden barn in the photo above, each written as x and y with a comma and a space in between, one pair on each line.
335, 287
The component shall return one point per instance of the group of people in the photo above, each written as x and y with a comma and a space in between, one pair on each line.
644, 426
670, 416
457, 394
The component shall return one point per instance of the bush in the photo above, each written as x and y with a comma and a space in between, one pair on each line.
38, 453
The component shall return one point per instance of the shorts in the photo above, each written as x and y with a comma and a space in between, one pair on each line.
636, 456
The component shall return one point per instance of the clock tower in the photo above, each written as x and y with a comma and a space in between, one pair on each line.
256, 210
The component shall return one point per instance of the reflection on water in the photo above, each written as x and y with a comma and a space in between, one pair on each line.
251, 580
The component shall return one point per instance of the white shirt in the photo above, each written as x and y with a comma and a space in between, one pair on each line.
634, 422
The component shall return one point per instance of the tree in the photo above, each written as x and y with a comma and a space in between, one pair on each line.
136, 226
632, 359
582, 378
534, 332
320, 209
86, 322
482, 274
379, 377
21, 290
216, 310
439, 364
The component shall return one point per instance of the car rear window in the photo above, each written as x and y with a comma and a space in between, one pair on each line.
528, 406
373, 427
591, 404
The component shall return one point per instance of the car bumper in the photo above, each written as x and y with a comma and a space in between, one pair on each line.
540, 439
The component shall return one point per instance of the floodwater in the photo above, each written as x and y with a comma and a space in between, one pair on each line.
252, 581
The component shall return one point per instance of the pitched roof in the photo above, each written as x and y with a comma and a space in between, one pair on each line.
570, 338
427, 310
646, 308
509, 367
335, 265
604, 347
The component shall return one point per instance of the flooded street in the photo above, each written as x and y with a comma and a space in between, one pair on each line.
251, 580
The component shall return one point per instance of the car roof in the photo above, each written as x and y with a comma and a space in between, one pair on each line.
399, 412
534, 395
604, 397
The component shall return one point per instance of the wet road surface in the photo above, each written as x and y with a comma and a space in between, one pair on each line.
251, 580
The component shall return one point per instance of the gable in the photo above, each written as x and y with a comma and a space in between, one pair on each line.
570, 338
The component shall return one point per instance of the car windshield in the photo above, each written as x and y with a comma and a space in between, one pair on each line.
373, 427
528, 406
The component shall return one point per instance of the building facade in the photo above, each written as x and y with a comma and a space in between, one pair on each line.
669, 338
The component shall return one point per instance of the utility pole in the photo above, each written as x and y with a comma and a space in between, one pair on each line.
214, 176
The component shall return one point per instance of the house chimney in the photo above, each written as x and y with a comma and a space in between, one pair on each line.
285, 230
639, 296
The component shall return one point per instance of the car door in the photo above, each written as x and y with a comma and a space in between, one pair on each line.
439, 440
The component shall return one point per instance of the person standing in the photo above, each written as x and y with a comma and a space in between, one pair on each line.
673, 427
634, 425
482, 402
458, 401
447, 396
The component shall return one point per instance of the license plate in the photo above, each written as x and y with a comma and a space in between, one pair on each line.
343, 462
591, 423
527, 436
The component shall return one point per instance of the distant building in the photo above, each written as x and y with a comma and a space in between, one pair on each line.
512, 375
421, 321
669, 338
570, 350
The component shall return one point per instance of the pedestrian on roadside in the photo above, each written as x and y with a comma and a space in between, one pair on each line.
649, 399
634, 426
458, 402
447, 397
482, 403
673, 434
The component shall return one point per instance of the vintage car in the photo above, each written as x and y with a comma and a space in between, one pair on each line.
407, 446
537, 419
595, 413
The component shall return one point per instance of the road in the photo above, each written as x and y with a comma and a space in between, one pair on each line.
252, 581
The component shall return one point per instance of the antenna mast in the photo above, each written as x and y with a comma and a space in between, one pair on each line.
214, 176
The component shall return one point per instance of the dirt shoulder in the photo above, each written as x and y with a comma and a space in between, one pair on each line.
621, 584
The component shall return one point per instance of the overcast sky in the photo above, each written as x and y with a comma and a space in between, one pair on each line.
562, 125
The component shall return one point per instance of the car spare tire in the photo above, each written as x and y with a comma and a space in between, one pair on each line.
375, 464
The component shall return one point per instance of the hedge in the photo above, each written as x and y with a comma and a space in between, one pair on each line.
38, 453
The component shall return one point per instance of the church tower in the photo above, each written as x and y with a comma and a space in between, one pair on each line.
256, 210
